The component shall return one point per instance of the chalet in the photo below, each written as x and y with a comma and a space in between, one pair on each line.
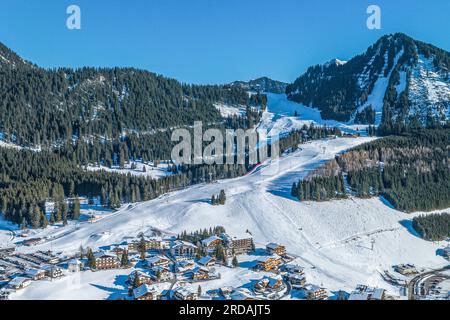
210, 244
202, 273
367, 293
145, 292
314, 292
74, 265
161, 274
104, 261
268, 263
182, 293
183, 249
275, 248
19, 283
143, 278
238, 245
226, 291
53, 272
184, 265
158, 260
35, 274
207, 261
294, 268
296, 280
405, 269
269, 284
152, 243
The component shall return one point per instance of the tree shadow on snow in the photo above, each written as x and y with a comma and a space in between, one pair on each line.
408, 225
282, 186
208, 201
121, 292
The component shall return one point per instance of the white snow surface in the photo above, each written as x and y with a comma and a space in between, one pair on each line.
229, 111
340, 243
429, 90
333, 240
280, 118
152, 171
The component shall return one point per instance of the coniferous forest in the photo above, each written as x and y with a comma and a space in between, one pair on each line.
411, 171
433, 227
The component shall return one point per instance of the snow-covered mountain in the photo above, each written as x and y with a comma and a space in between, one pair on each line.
398, 80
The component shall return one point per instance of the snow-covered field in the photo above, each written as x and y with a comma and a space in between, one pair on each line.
229, 111
340, 243
155, 172
280, 117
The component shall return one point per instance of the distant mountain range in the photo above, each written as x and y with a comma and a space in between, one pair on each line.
397, 81
263, 84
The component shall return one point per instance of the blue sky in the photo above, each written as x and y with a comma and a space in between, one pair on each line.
206, 41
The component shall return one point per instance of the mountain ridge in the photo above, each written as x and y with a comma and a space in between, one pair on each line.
385, 74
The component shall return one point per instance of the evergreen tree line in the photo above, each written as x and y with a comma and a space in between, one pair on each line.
319, 189
200, 235
433, 227
28, 179
44, 107
410, 171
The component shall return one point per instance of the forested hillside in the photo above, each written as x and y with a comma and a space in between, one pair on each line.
411, 171
44, 107
28, 179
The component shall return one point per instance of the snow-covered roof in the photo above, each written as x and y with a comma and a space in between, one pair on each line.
143, 290
357, 296
51, 268
74, 262
313, 288
156, 259
273, 245
184, 263
378, 294
34, 272
184, 291
206, 260
101, 254
264, 259
180, 243
207, 241
19, 281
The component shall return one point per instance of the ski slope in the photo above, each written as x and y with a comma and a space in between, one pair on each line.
340, 243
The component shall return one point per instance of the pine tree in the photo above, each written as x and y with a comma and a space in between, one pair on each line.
235, 262
124, 261
222, 197
136, 281
142, 248
91, 259
76, 209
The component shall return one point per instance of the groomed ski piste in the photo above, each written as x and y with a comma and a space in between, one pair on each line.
339, 243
